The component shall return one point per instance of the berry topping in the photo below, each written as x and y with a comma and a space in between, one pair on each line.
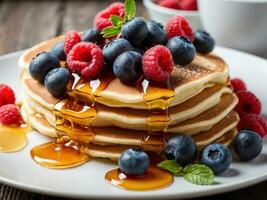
253, 122
134, 162
7, 95
58, 51
102, 18
238, 85
178, 26
188, 4
248, 103
182, 50
9, 114
247, 145
203, 42
135, 30
86, 59
114, 48
56, 81
182, 149
216, 156
71, 38
170, 4
42, 64
157, 64
156, 34
92, 35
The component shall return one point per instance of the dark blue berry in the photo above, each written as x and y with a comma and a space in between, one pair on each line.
56, 81
182, 149
128, 66
114, 48
42, 64
58, 51
134, 162
217, 157
135, 30
247, 145
182, 50
92, 35
203, 42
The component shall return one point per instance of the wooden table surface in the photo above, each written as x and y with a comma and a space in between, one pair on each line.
25, 23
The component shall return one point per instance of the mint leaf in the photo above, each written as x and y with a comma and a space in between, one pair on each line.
198, 174
171, 166
110, 31
130, 8
116, 20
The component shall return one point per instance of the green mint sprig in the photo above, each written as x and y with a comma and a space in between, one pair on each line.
194, 173
117, 22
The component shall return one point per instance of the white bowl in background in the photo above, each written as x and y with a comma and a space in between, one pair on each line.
162, 14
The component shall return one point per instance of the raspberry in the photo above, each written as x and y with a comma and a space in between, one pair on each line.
7, 95
86, 58
9, 114
71, 38
188, 4
238, 85
253, 122
157, 63
102, 21
248, 103
170, 4
179, 26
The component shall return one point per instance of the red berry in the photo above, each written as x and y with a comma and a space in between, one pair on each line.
86, 58
170, 4
238, 85
71, 38
157, 63
253, 122
179, 26
188, 4
102, 20
7, 95
10, 114
248, 103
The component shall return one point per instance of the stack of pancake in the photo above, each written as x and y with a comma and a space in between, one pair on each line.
107, 116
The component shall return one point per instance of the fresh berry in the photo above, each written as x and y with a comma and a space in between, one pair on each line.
157, 63
71, 38
188, 4
135, 30
156, 34
114, 48
56, 81
248, 103
42, 64
102, 20
247, 145
253, 122
179, 26
182, 50
203, 42
238, 85
92, 35
216, 156
128, 66
139, 49
134, 162
7, 96
58, 51
9, 114
86, 58
170, 4
182, 149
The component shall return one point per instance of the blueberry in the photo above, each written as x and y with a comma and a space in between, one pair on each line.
216, 156
156, 34
247, 145
182, 50
128, 66
114, 48
58, 50
42, 64
181, 148
135, 30
92, 35
134, 162
203, 42
56, 81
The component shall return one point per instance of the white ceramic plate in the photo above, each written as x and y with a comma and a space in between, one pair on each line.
87, 181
